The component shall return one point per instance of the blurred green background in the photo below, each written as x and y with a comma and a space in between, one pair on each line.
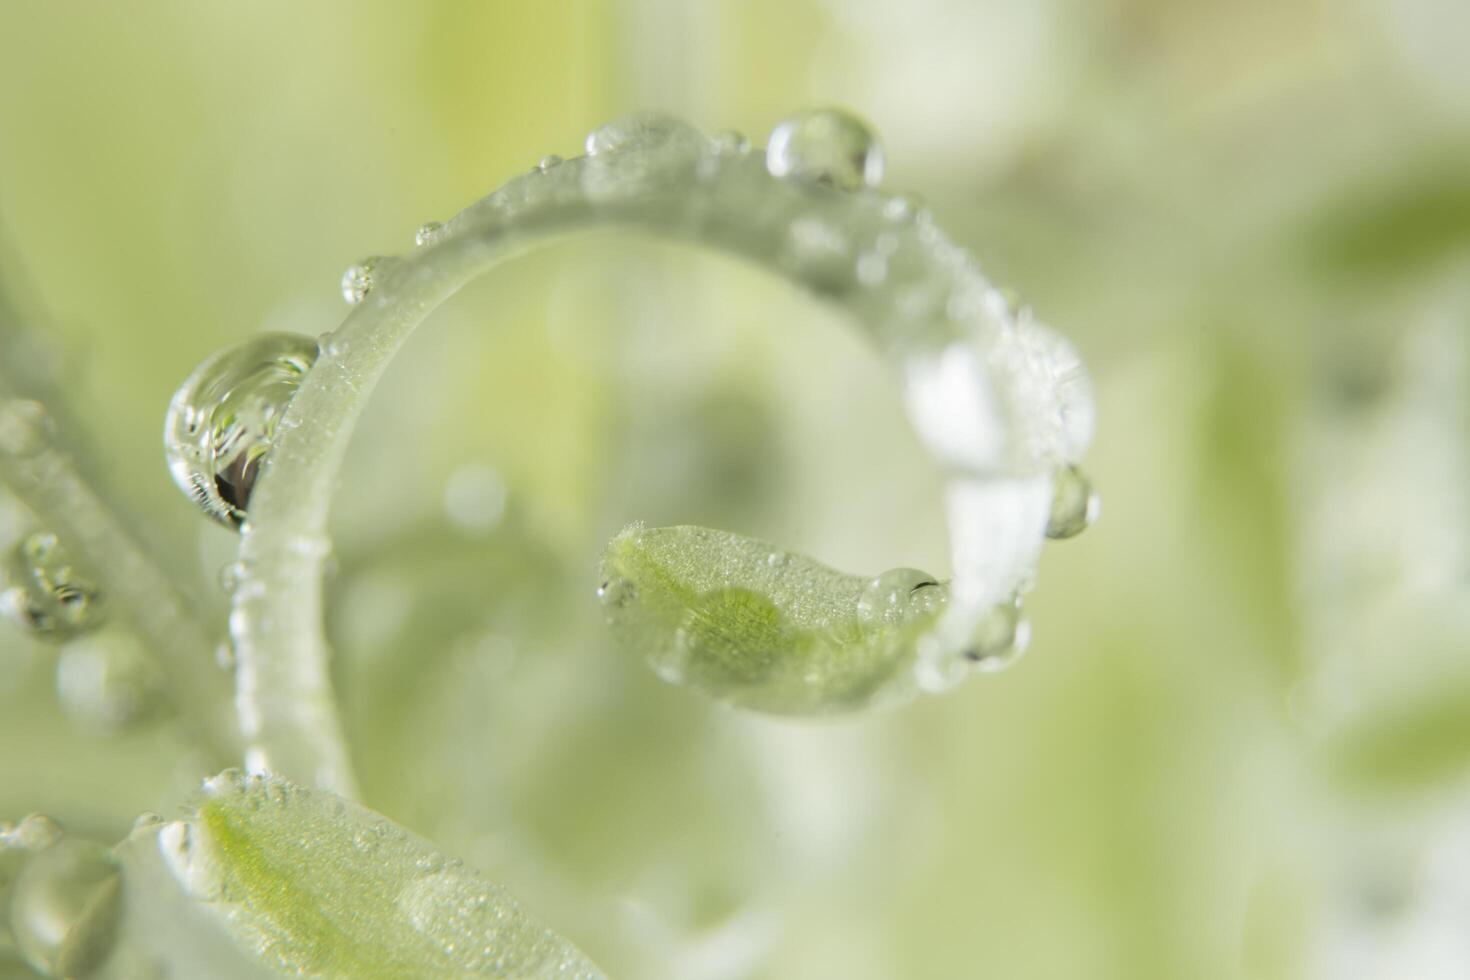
1237, 745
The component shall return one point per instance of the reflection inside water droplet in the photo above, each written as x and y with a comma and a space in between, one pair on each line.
45, 595
826, 146
1074, 506
900, 595
360, 279
222, 421
999, 638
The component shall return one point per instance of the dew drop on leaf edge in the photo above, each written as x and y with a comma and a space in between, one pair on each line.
223, 419
1074, 506
898, 595
826, 146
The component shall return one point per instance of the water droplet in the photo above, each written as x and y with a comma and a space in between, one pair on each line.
47, 597
549, 162
903, 207
64, 908
1000, 637
474, 497
147, 820
872, 268
35, 832
1074, 504
224, 655
223, 419
360, 279
23, 427
231, 575
429, 232
616, 592
826, 146
107, 682
899, 595
638, 132
730, 143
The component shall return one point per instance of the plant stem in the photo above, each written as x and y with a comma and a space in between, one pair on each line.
46, 481
673, 186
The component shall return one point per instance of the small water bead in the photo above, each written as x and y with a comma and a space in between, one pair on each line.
231, 574
223, 419
730, 143
826, 146
1074, 504
549, 162
360, 279
1000, 637
900, 595
23, 427
639, 131
616, 592
904, 207
429, 232
108, 682
147, 820
64, 909
46, 596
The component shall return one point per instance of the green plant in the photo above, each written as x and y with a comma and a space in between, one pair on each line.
257, 435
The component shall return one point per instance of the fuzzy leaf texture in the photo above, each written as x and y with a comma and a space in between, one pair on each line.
308, 884
749, 623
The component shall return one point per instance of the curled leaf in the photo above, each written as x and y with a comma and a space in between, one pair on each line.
746, 622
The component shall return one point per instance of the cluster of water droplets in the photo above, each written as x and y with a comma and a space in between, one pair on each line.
62, 895
45, 595
954, 331
105, 679
903, 595
223, 420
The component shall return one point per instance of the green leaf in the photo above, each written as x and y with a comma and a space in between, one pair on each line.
312, 885
746, 622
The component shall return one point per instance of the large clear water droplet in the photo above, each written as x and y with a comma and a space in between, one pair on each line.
45, 595
639, 131
1074, 504
899, 595
222, 421
826, 146
107, 682
64, 908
